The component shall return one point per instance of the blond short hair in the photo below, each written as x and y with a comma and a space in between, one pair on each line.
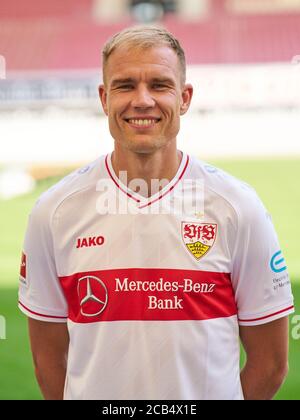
144, 36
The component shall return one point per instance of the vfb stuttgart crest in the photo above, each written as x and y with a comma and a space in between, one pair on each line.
198, 237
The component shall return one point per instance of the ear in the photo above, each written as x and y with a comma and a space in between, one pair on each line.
103, 98
186, 98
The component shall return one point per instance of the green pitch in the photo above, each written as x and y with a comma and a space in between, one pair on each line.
276, 181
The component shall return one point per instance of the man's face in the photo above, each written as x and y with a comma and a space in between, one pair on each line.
143, 97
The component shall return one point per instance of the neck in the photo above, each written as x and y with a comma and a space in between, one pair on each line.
160, 166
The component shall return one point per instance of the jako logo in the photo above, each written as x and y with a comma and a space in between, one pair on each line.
89, 242
277, 263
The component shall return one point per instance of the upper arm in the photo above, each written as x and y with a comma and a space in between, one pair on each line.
49, 341
266, 345
49, 344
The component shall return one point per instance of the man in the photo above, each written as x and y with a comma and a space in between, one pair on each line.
132, 290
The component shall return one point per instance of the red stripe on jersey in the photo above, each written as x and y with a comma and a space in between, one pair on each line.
45, 316
267, 316
116, 182
148, 295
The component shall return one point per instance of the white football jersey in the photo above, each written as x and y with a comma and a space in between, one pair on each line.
153, 289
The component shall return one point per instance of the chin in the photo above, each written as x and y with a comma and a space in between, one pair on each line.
145, 145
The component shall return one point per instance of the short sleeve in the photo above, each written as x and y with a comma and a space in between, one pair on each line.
259, 274
40, 294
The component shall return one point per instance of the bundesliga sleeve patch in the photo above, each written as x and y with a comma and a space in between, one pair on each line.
23, 279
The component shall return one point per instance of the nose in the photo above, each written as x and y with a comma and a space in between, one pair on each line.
142, 98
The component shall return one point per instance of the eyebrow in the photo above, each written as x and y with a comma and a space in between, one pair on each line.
117, 82
163, 80
121, 81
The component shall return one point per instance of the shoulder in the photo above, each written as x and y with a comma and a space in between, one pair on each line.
221, 187
79, 180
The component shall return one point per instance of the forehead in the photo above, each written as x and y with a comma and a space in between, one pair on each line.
134, 62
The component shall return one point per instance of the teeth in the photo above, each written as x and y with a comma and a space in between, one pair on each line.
142, 123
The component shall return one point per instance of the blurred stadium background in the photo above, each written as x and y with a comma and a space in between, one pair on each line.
244, 62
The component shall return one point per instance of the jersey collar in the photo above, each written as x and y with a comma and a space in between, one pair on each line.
141, 201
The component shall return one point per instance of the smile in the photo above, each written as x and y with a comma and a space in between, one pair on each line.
142, 122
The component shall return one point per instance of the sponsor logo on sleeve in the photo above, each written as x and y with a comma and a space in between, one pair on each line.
281, 278
277, 263
198, 238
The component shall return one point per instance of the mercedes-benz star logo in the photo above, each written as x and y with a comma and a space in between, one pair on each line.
93, 296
